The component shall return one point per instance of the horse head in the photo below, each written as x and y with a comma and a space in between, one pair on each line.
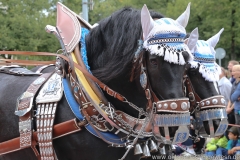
166, 56
157, 63
203, 73
166, 53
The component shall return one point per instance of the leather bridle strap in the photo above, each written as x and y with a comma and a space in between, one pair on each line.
193, 96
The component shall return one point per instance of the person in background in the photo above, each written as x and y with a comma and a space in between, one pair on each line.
216, 142
188, 146
235, 94
224, 85
232, 144
230, 65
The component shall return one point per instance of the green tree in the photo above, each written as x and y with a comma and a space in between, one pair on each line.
210, 17
22, 26
104, 8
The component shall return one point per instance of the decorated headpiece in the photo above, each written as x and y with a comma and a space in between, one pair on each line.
204, 55
165, 36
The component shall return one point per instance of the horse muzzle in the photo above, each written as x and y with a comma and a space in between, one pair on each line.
211, 110
171, 114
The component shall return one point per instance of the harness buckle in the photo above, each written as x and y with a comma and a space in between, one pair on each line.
191, 96
110, 92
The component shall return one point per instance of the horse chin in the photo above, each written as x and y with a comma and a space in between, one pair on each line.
216, 123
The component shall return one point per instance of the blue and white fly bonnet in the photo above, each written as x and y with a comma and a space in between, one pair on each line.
204, 55
165, 36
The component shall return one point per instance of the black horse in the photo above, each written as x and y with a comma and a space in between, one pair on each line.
111, 48
203, 73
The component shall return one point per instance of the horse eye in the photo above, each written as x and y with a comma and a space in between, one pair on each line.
153, 62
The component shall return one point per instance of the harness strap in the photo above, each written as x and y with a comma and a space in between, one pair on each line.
44, 129
90, 81
39, 70
24, 106
193, 96
59, 130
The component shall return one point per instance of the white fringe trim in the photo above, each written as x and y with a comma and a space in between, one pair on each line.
171, 54
211, 76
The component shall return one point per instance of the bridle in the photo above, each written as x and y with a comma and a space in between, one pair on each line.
179, 105
207, 109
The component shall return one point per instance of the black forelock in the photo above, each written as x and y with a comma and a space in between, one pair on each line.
112, 44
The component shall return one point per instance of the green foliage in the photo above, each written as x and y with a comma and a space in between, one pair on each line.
104, 8
210, 17
22, 25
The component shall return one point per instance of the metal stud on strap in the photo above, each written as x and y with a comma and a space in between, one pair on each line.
44, 129
46, 109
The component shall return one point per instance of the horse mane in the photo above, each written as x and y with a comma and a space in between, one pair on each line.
112, 44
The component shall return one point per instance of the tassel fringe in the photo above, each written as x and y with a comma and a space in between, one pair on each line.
170, 53
210, 74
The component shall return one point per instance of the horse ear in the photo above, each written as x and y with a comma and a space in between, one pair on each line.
192, 40
183, 18
147, 22
214, 39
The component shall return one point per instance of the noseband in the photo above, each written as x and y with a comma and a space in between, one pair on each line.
208, 109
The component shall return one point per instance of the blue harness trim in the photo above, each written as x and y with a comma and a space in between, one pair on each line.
84, 33
213, 114
76, 110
